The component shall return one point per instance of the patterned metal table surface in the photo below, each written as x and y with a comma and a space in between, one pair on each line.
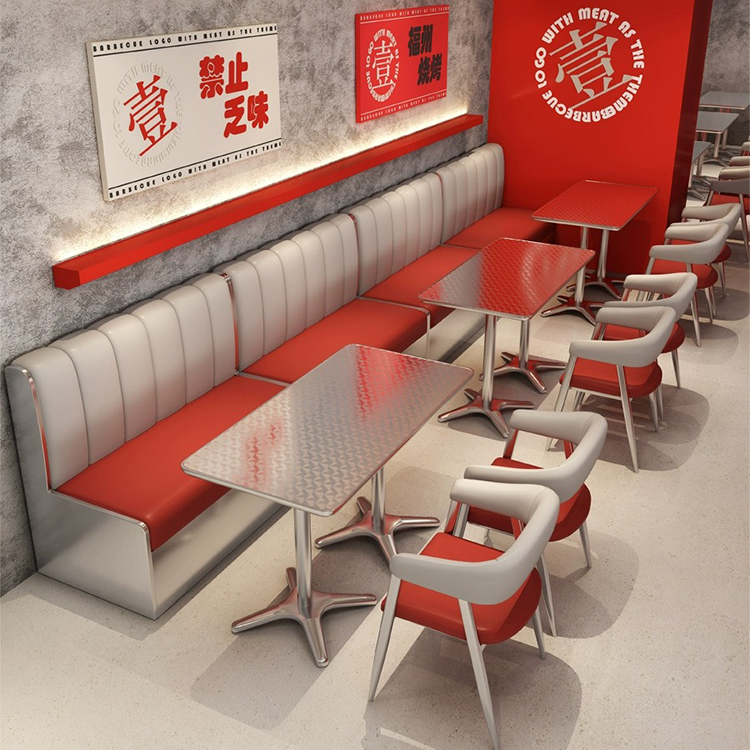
726, 99
314, 444
513, 278
714, 122
599, 205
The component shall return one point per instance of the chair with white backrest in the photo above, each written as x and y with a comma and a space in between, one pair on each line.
583, 435
675, 290
733, 186
621, 370
470, 591
705, 243
726, 213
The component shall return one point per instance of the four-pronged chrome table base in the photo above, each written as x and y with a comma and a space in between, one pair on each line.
304, 604
484, 403
376, 523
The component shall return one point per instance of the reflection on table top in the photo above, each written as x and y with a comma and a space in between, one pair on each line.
726, 99
714, 122
513, 278
700, 147
314, 444
598, 205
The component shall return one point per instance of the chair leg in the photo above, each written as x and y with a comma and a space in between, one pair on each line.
660, 403
743, 224
583, 531
676, 365
384, 635
696, 319
480, 673
536, 621
707, 292
578, 402
723, 279
563, 394
547, 595
654, 410
627, 411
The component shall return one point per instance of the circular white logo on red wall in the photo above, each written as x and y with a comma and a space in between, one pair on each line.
382, 65
589, 65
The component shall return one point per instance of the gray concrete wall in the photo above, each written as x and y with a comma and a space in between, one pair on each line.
728, 57
52, 201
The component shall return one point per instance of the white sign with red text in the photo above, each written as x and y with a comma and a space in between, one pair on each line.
171, 106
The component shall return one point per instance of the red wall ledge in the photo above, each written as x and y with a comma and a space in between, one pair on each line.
107, 259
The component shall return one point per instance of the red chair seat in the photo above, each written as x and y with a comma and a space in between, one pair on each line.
707, 275
495, 622
717, 199
504, 222
601, 377
621, 333
573, 512
143, 480
405, 285
361, 321
724, 255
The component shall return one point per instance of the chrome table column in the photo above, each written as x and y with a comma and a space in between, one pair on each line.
376, 523
304, 604
483, 402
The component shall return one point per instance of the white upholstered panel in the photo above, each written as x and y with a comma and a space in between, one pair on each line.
129, 342
191, 308
62, 411
348, 232
249, 305
273, 295
313, 259
163, 329
293, 268
367, 243
215, 289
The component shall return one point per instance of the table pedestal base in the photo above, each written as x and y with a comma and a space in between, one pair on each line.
531, 368
376, 523
477, 405
606, 283
571, 304
304, 604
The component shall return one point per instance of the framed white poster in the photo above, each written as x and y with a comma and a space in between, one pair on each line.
172, 106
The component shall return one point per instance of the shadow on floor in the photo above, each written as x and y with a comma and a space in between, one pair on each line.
430, 700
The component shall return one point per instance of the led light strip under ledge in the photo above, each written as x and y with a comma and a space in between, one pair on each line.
107, 259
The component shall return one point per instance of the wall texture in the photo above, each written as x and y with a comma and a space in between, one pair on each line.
52, 201
727, 67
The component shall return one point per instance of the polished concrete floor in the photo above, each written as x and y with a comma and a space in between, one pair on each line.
652, 650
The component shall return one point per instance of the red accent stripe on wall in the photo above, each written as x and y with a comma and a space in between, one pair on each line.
107, 259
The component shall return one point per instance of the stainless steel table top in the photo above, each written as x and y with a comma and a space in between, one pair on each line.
726, 99
714, 122
314, 444
511, 278
700, 148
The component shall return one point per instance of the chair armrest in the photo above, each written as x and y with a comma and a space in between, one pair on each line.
705, 213
690, 232
668, 252
730, 187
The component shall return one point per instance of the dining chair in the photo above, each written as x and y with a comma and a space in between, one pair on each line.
733, 189
704, 243
473, 592
621, 370
583, 435
727, 213
675, 290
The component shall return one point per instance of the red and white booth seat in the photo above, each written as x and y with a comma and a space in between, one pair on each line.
104, 417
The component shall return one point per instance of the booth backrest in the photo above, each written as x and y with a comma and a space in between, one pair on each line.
281, 291
99, 387
472, 187
396, 228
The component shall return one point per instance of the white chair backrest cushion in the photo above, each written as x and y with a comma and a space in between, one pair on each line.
472, 187
102, 386
284, 289
396, 228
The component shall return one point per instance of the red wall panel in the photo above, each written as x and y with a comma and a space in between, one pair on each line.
547, 152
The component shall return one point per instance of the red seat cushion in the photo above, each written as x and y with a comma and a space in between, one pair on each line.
707, 275
601, 377
361, 321
621, 333
143, 480
504, 222
495, 622
573, 512
717, 199
724, 255
405, 285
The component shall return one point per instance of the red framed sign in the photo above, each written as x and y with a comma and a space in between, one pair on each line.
401, 59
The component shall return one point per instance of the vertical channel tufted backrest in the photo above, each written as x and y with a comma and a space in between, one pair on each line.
102, 386
289, 286
396, 228
472, 187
